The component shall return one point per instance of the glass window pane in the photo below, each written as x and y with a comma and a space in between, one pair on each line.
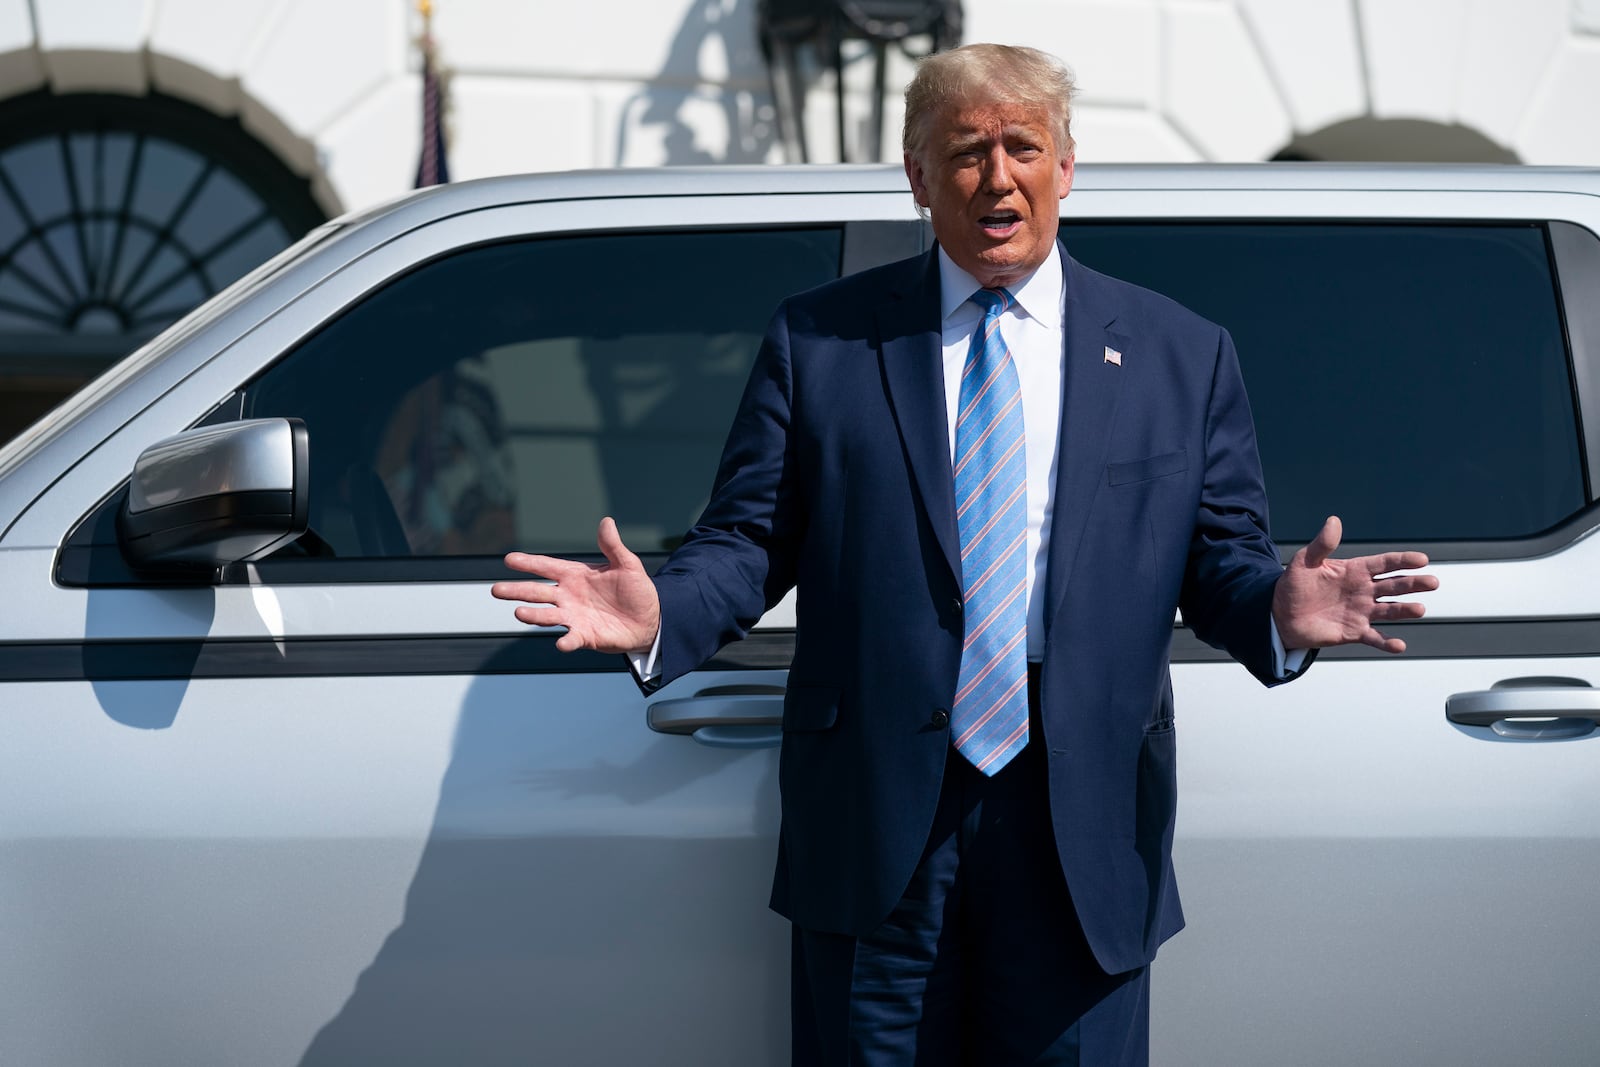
155, 276
66, 253
111, 168
33, 278
222, 206
13, 227
512, 395
133, 249
1411, 378
36, 174
166, 175
87, 169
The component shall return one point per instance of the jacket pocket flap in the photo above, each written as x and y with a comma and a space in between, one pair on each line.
1141, 470
812, 707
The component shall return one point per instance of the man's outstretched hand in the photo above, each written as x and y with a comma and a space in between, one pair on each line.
609, 607
1321, 601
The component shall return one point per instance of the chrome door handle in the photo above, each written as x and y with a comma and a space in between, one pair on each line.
1530, 709
723, 716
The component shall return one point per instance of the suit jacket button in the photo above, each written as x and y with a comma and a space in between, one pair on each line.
940, 718
956, 606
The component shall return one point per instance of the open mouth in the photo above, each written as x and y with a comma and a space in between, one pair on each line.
1000, 222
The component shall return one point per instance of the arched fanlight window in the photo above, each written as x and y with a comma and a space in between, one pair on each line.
118, 215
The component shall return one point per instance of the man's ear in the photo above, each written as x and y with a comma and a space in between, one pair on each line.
1065, 184
919, 186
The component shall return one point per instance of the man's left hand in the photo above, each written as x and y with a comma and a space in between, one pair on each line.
1321, 601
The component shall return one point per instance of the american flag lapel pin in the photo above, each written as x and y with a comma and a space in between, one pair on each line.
1113, 356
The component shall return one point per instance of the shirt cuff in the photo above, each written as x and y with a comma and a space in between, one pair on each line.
645, 664
1285, 662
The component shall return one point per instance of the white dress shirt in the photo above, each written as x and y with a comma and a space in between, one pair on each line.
1031, 328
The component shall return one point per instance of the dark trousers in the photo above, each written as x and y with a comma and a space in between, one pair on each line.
982, 963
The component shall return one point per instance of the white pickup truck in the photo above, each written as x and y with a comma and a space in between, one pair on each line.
281, 797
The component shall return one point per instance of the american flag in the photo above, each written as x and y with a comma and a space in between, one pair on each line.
433, 168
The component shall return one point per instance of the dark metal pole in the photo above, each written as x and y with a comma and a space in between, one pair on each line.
880, 60
835, 32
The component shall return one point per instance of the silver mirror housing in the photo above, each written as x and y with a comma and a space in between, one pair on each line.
217, 495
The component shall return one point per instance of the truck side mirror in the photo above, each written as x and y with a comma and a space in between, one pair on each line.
217, 495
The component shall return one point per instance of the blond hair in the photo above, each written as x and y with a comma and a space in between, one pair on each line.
984, 74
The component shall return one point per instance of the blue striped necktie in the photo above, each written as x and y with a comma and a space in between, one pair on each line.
990, 716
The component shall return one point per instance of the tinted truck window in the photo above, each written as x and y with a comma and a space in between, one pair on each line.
1412, 378
510, 395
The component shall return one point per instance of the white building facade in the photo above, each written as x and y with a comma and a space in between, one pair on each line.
332, 86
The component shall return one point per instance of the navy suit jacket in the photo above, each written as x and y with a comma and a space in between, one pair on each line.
836, 480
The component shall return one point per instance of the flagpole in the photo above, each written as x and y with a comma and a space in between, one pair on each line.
432, 166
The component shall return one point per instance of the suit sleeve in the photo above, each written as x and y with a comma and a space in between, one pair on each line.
1233, 565
739, 559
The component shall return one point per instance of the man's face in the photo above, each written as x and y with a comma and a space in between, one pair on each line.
991, 177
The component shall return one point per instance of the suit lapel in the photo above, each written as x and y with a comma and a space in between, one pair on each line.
911, 350
1091, 386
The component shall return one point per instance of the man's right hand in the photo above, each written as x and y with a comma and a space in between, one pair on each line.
609, 607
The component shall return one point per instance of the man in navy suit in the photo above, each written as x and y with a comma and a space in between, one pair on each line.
1003, 905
